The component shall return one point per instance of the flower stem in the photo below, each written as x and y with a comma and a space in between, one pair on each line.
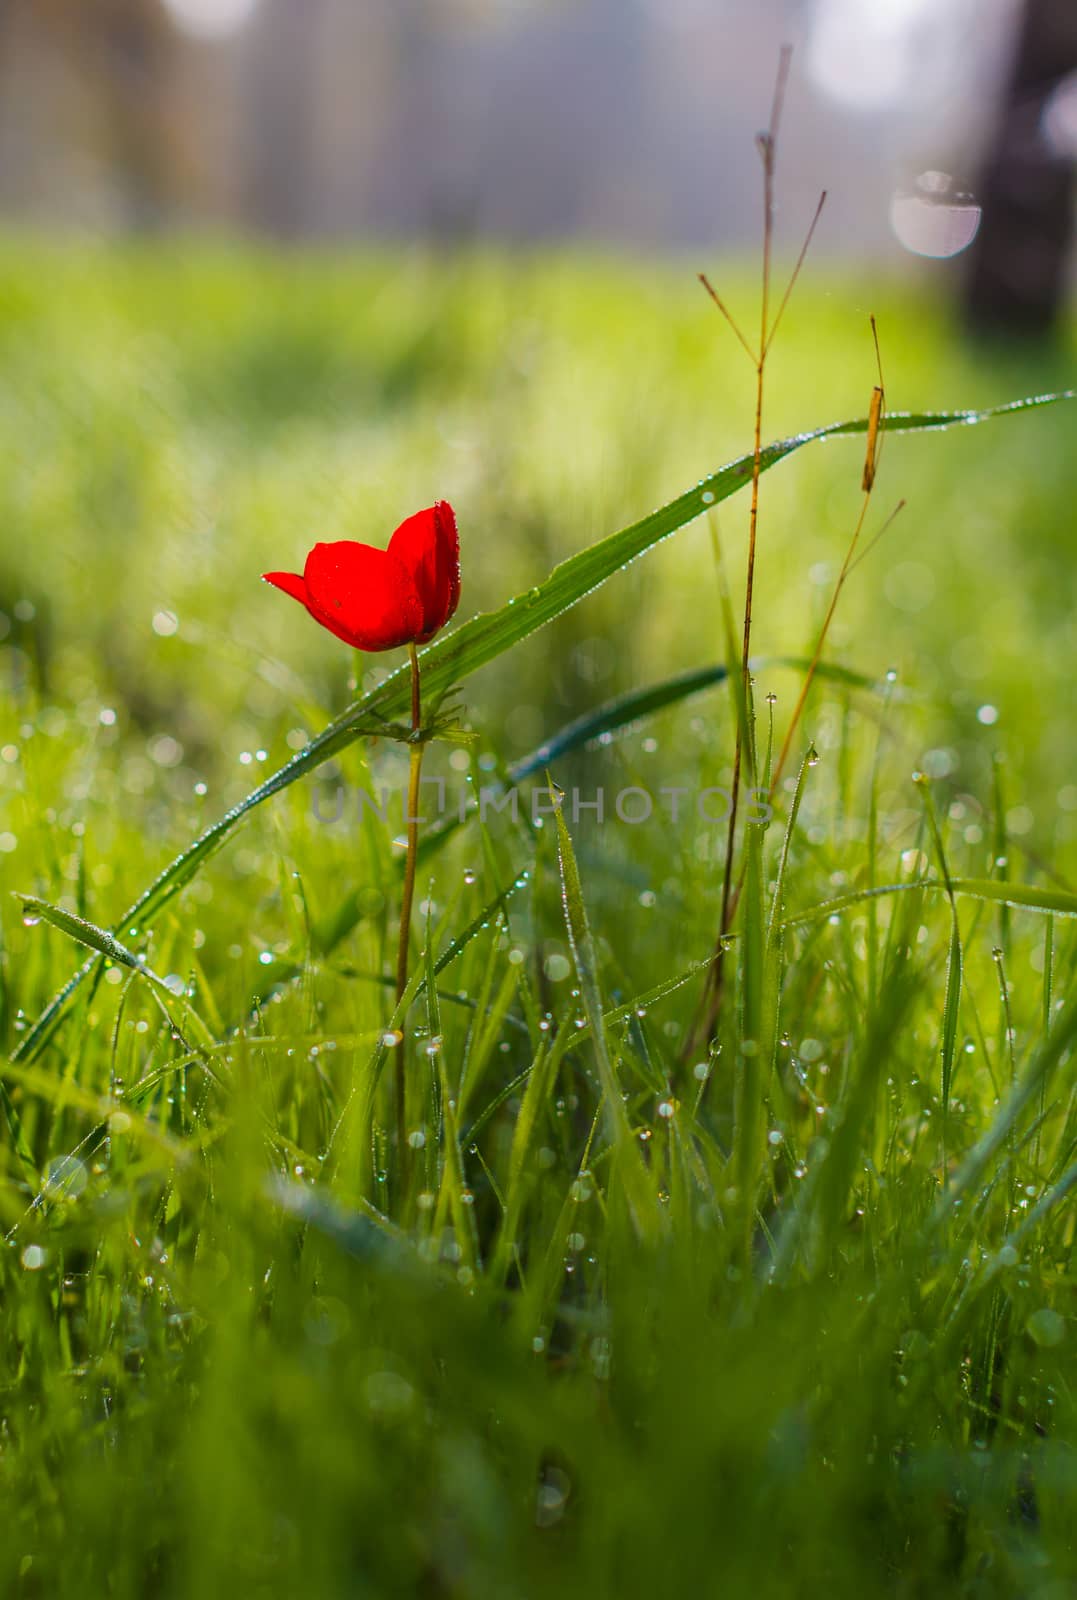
414, 772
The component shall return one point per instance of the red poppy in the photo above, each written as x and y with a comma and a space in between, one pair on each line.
378, 599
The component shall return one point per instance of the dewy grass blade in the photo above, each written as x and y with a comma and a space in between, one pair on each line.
626, 709
1054, 1049
452, 658
585, 958
754, 1054
83, 932
954, 965
1019, 896
778, 897
99, 939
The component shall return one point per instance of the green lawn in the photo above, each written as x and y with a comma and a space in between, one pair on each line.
766, 1313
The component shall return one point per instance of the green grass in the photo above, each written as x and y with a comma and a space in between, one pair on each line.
631, 1318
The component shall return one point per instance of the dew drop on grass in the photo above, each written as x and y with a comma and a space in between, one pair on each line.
266, 958
469, 875
391, 1038
30, 919
667, 1109
417, 1139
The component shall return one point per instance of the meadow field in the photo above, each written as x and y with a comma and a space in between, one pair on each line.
638, 1306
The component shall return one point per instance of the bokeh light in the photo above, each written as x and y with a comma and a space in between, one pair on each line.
870, 57
936, 218
211, 19
1059, 121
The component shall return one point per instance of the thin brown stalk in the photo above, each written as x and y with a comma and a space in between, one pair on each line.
768, 143
728, 315
805, 247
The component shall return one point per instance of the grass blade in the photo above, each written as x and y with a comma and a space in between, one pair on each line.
1020, 896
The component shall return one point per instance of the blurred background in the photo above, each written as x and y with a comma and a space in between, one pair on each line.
619, 121
279, 270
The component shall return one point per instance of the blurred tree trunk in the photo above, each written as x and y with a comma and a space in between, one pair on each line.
94, 81
283, 114
135, 44
1017, 264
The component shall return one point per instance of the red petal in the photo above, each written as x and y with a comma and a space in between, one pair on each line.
428, 546
364, 596
290, 582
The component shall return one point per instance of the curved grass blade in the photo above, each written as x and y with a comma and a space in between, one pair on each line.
1020, 896
83, 932
633, 706
110, 948
451, 659
649, 998
622, 712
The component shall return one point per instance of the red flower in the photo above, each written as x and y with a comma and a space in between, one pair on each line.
378, 599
